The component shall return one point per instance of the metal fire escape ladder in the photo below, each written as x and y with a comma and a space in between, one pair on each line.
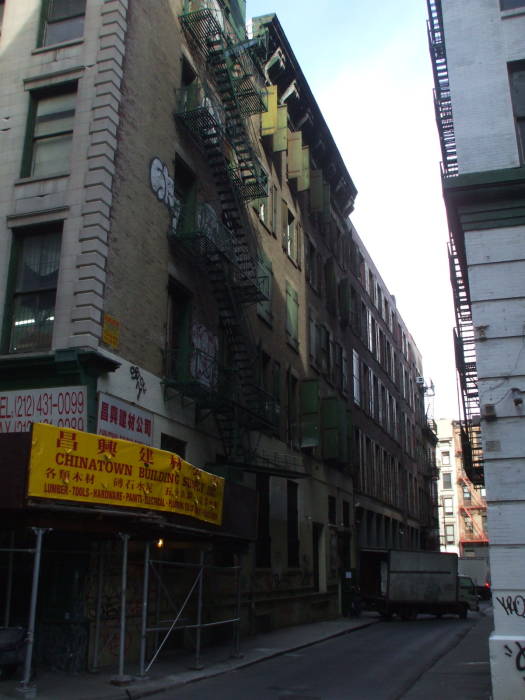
442, 99
464, 345
238, 177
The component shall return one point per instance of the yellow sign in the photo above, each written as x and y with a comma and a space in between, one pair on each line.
111, 331
71, 465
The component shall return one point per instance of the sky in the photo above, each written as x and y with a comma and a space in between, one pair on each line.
369, 69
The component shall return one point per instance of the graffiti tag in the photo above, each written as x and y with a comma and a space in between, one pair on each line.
140, 384
518, 655
163, 186
513, 605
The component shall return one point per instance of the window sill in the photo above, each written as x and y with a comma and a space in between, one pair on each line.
516, 12
41, 178
61, 45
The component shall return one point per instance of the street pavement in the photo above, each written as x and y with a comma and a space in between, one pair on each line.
463, 673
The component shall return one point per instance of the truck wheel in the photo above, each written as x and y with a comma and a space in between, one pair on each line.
463, 612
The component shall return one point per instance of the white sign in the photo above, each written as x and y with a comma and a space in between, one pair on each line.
65, 407
120, 419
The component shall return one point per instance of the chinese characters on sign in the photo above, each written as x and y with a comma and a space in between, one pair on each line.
119, 419
63, 406
76, 466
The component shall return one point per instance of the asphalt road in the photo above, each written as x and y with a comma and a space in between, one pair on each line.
381, 662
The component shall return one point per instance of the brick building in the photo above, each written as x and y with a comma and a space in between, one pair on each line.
179, 269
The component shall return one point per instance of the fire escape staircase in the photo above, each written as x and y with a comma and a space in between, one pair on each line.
464, 345
227, 251
442, 99
477, 534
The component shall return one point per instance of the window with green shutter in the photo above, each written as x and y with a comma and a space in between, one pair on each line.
334, 427
264, 308
309, 404
292, 316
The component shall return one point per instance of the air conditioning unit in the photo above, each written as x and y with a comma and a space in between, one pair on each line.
420, 381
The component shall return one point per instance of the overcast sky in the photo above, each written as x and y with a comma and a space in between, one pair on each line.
369, 69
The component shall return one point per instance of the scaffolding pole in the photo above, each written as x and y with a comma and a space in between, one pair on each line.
143, 630
98, 613
120, 678
9, 582
236, 654
198, 637
24, 686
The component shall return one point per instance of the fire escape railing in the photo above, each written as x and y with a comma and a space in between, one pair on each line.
465, 351
442, 99
464, 342
469, 508
220, 238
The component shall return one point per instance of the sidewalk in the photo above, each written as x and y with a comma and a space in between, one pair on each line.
56, 685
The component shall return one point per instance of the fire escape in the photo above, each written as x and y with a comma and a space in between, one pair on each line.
464, 342
224, 246
472, 507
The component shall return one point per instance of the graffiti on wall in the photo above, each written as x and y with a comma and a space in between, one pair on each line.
518, 654
512, 604
140, 384
203, 365
163, 185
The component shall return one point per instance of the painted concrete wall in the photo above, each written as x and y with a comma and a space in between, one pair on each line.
480, 40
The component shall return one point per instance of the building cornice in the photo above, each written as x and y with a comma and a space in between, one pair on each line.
485, 200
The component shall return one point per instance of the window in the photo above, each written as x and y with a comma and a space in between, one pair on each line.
291, 241
265, 275
346, 513
173, 444
356, 378
467, 497
292, 523
449, 534
511, 4
517, 90
447, 480
36, 262
292, 424
50, 133
445, 459
332, 514
178, 332
447, 502
62, 20
263, 551
292, 316
311, 262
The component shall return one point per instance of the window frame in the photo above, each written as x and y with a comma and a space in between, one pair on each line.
47, 7
19, 236
35, 98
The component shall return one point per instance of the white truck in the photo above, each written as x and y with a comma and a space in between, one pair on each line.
406, 583
478, 569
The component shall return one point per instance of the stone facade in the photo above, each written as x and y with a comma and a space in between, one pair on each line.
209, 278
